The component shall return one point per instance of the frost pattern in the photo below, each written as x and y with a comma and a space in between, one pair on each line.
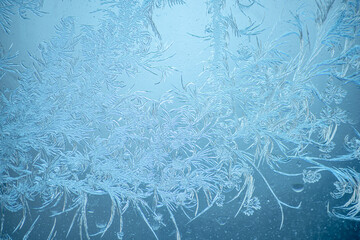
251, 205
74, 130
6, 61
341, 189
310, 176
8, 7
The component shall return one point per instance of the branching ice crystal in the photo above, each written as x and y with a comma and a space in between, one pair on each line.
8, 7
341, 189
310, 176
251, 205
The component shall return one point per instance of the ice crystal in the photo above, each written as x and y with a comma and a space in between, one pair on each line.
310, 176
251, 205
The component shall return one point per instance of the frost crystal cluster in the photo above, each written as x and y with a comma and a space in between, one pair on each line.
74, 130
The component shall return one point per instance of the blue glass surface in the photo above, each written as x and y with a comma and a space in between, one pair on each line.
179, 119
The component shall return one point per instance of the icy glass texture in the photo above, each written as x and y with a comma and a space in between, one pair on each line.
74, 129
